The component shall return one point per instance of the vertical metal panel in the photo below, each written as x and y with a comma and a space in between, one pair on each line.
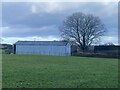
44, 50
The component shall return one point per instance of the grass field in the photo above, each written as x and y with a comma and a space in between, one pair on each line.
35, 71
0, 69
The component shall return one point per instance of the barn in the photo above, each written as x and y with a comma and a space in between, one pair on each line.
58, 48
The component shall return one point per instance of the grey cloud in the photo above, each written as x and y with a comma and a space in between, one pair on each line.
22, 22
11, 12
23, 32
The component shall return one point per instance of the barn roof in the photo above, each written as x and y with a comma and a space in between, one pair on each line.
58, 43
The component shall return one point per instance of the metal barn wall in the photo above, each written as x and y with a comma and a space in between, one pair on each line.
44, 50
68, 49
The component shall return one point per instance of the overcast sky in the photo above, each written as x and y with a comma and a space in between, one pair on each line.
41, 20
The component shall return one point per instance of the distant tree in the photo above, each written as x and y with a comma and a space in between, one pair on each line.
82, 29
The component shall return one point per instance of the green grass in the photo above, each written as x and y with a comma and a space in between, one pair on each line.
35, 71
0, 69
2, 51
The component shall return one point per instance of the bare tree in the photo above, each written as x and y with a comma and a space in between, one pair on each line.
82, 29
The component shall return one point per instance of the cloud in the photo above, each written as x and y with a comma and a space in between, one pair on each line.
42, 19
33, 9
31, 14
106, 1
109, 39
12, 40
27, 32
50, 7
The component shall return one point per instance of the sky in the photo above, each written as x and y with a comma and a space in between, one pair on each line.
40, 21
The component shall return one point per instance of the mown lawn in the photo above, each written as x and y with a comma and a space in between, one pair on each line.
35, 71
0, 69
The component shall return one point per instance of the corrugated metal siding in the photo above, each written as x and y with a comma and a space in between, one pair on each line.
44, 49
